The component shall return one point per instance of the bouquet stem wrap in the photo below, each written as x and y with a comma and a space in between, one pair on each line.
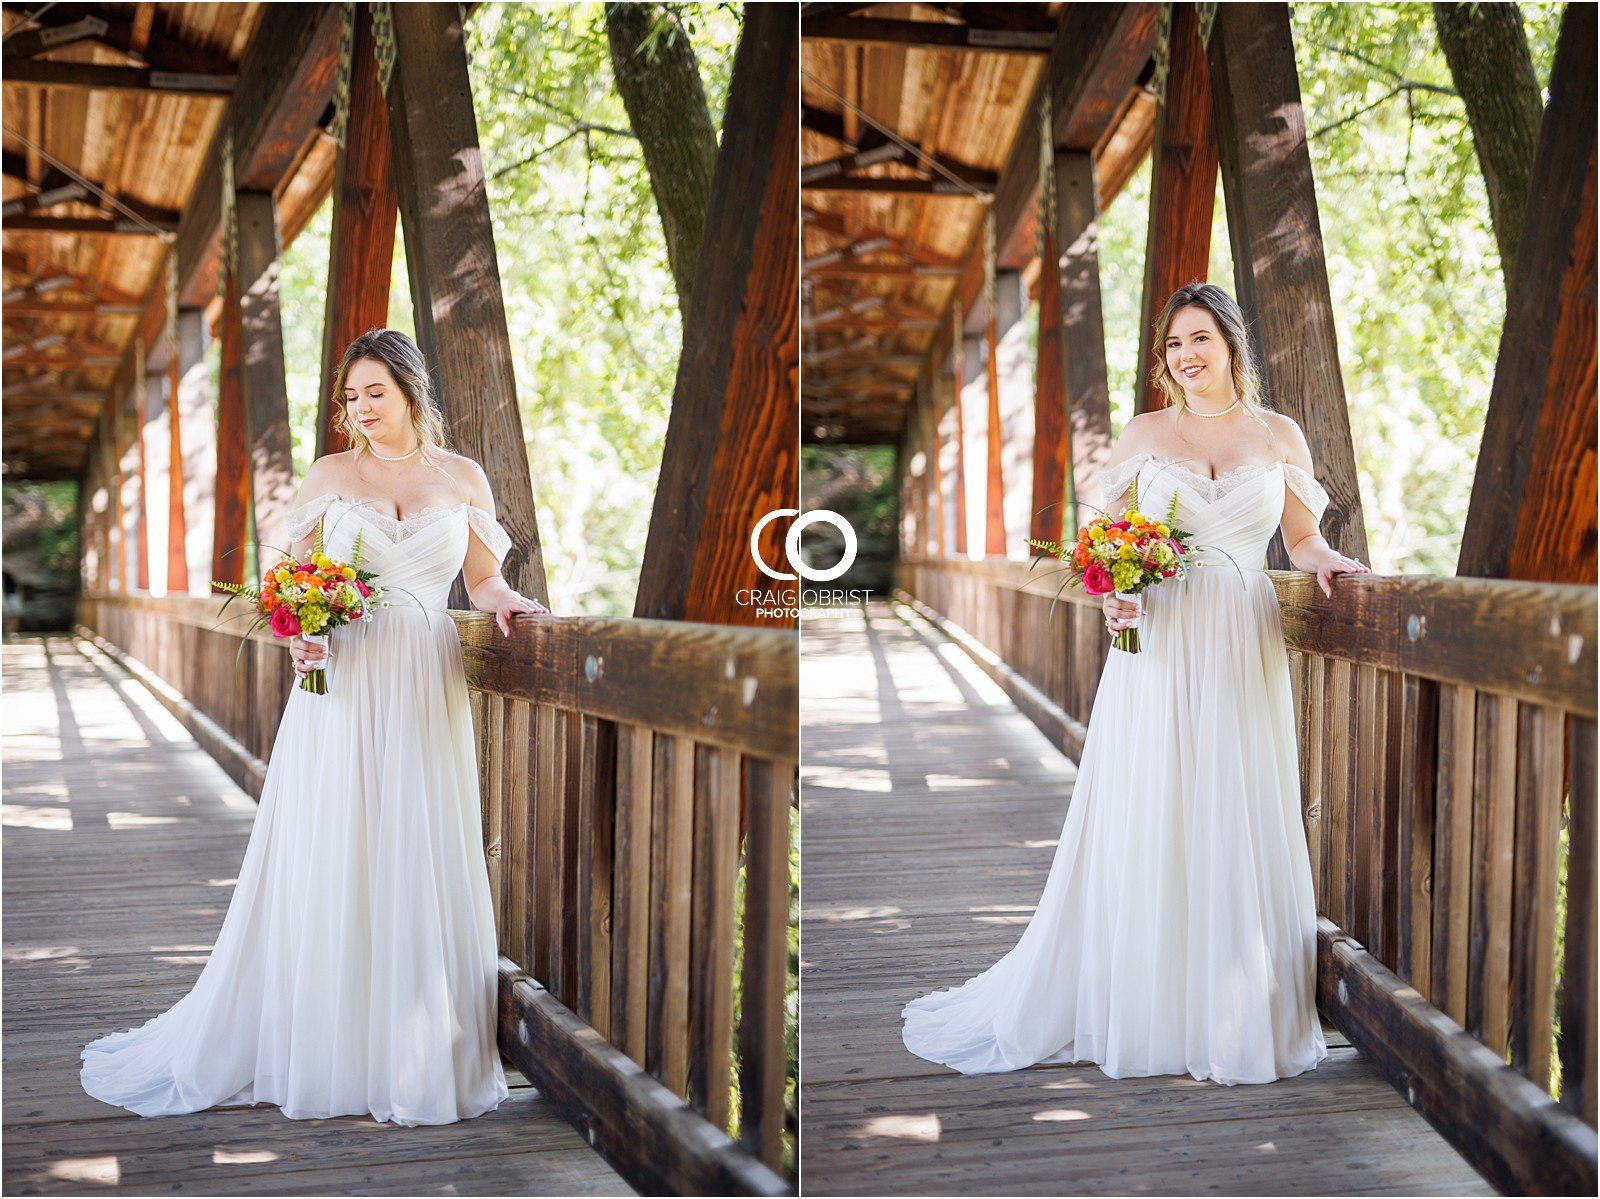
1127, 639
316, 681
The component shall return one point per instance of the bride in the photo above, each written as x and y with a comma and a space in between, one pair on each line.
355, 971
1177, 928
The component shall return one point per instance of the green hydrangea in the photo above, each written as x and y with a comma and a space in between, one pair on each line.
1126, 574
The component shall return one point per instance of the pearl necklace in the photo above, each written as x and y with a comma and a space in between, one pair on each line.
1209, 415
381, 458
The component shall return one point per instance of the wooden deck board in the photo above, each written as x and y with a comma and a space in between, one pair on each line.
122, 842
930, 812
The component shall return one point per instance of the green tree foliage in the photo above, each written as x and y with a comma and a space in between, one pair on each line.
1418, 298
590, 301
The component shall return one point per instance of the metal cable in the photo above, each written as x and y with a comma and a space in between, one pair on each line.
163, 234
981, 196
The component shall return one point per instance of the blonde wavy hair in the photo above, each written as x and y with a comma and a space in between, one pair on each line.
1231, 324
405, 362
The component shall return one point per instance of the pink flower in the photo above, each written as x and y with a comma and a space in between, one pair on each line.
284, 622
1097, 579
1122, 524
363, 588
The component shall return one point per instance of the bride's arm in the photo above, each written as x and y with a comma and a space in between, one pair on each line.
1308, 549
487, 589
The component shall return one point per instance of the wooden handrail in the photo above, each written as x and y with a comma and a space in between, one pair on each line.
1447, 732
631, 772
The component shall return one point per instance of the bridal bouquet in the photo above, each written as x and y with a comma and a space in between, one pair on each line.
1125, 556
310, 599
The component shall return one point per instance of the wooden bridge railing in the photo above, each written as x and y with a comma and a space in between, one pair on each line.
637, 780
1447, 733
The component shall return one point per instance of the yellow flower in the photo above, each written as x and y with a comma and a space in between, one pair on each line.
1133, 516
1164, 530
1097, 534
1127, 551
349, 572
322, 560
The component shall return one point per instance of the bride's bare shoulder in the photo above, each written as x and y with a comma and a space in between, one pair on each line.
326, 473
470, 477
1288, 438
1138, 436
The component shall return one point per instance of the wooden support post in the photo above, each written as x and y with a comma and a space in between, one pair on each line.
1083, 333
1014, 372
177, 525
1532, 512
365, 210
272, 485
230, 528
1047, 512
1183, 193
903, 493
976, 395
196, 490
119, 508
919, 438
727, 459
994, 491
930, 412
141, 490
958, 378
155, 437
454, 272
945, 424
1281, 275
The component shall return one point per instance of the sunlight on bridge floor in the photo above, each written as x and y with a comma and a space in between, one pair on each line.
903, 1128
106, 1171
242, 1157
50, 820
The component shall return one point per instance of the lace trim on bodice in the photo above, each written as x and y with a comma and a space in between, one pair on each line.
300, 521
1114, 480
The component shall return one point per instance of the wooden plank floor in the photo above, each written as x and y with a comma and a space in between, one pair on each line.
930, 812
122, 840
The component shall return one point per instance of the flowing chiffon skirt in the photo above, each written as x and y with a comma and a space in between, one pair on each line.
355, 971
1177, 929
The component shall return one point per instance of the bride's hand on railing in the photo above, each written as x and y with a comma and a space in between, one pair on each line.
512, 604
1118, 612
1332, 563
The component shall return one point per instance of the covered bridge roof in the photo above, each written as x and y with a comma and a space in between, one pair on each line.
915, 119
112, 117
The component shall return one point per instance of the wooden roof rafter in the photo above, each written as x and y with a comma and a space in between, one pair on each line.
143, 37
874, 147
985, 28
46, 276
39, 72
862, 236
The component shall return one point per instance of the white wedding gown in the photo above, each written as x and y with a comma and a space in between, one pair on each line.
1177, 929
355, 971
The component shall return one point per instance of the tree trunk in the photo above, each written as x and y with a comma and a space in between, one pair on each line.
667, 110
1488, 55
